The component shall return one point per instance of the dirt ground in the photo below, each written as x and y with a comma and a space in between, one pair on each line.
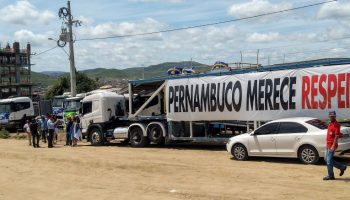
171, 172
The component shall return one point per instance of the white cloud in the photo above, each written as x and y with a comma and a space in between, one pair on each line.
263, 37
25, 36
334, 10
24, 13
124, 28
257, 7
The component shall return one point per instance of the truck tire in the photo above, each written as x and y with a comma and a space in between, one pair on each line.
155, 134
96, 137
137, 139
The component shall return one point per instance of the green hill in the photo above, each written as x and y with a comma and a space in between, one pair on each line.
43, 80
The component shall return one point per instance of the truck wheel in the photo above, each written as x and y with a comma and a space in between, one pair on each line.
155, 134
96, 137
137, 139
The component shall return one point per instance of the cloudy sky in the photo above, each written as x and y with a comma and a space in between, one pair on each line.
311, 33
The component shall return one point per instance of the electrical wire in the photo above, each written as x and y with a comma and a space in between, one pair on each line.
208, 24
45, 51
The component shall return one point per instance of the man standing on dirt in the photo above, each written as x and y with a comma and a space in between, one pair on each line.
34, 130
43, 128
51, 125
333, 135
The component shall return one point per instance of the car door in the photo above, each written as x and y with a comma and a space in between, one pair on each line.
262, 142
86, 115
288, 137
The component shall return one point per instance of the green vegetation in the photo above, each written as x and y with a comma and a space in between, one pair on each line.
4, 134
84, 84
41, 80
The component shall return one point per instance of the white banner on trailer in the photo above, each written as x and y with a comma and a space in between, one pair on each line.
308, 92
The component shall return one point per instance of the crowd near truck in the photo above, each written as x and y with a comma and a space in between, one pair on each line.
213, 107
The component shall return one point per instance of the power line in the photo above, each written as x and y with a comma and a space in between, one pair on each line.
208, 24
45, 51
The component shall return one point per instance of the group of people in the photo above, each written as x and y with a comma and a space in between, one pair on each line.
73, 132
47, 126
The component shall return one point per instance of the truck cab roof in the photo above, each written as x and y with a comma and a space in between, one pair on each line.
101, 95
16, 99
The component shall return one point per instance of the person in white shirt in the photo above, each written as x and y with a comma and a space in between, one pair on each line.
51, 124
26, 128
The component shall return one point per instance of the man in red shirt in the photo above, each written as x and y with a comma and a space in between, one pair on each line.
333, 134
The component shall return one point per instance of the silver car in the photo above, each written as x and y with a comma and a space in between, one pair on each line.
303, 138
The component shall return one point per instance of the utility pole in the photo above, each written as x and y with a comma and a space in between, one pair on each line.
73, 79
65, 13
257, 58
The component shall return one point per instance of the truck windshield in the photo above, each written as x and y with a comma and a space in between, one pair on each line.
73, 105
5, 107
57, 102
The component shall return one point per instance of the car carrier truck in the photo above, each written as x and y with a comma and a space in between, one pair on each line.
216, 106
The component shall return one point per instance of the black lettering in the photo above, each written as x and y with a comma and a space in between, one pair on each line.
205, 97
222, 105
171, 98
189, 99
252, 96
268, 94
276, 94
237, 86
293, 81
261, 94
181, 99
196, 100
213, 97
284, 83
176, 99
229, 87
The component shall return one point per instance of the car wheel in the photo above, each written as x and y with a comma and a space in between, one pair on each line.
239, 152
308, 154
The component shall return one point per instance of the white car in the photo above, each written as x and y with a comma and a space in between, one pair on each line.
303, 138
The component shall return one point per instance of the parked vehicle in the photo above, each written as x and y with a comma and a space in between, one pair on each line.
57, 106
213, 107
303, 138
17, 109
72, 105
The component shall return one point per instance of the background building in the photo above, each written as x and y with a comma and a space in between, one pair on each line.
15, 71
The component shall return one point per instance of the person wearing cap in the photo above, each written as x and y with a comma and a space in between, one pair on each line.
333, 133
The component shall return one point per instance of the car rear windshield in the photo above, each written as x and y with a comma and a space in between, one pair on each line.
317, 123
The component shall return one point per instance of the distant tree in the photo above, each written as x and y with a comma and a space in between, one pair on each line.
84, 84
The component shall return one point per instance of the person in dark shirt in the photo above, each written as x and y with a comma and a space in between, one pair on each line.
34, 130
69, 124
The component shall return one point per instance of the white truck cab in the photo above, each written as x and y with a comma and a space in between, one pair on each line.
100, 108
18, 109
